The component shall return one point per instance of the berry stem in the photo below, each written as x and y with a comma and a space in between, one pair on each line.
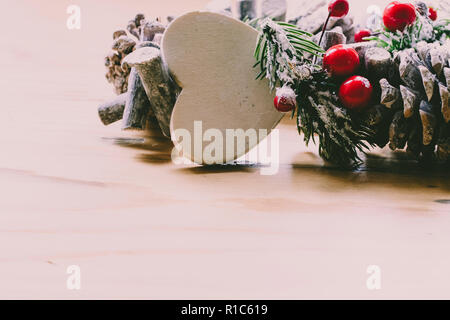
323, 32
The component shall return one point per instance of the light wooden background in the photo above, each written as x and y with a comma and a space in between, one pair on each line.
73, 192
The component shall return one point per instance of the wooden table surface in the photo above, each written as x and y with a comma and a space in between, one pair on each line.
74, 192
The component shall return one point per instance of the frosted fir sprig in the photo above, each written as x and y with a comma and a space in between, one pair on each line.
423, 29
280, 48
283, 57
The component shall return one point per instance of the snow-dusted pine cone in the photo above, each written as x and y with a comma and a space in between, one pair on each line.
414, 96
413, 87
124, 42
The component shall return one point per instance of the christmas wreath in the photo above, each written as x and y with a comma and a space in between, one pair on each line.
391, 86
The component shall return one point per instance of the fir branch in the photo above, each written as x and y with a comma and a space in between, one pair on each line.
283, 57
442, 27
423, 29
319, 113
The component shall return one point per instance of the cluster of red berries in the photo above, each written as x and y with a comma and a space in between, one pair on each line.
338, 9
341, 61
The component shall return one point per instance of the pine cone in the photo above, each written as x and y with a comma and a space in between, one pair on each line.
414, 92
124, 42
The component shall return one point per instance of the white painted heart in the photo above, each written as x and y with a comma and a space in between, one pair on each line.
211, 58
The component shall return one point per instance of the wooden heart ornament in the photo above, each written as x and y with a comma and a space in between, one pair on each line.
211, 57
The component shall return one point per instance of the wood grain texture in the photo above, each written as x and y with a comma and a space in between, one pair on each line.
74, 192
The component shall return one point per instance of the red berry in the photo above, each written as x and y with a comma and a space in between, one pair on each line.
355, 92
361, 34
285, 100
432, 14
282, 105
340, 60
338, 8
398, 15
